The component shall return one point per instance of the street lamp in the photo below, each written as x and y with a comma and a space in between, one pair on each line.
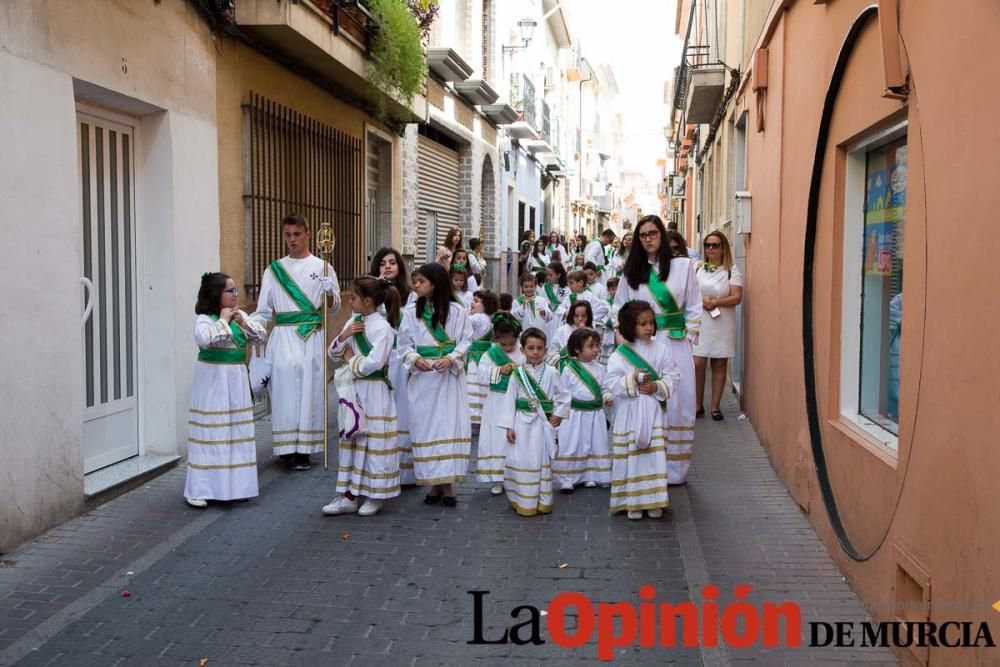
526, 27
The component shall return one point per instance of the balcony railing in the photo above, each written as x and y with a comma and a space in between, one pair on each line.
546, 123
353, 18
522, 98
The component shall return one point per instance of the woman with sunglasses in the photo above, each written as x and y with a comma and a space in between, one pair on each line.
669, 285
721, 290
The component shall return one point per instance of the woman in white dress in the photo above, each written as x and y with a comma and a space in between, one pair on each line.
583, 456
554, 245
669, 285
388, 263
721, 291
368, 464
642, 377
452, 242
222, 449
539, 259
433, 340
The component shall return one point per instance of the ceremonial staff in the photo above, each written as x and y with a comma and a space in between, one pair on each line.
325, 240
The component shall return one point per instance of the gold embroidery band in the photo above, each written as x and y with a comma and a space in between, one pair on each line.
222, 467
221, 412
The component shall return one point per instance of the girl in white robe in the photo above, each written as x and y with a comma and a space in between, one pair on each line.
433, 340
686, 293
555, 290
531, 308
368, 464
495, 370
388, 263
536, 403
642, 376
608, 338
222, 449
579, 316
484, 304
583, 456
460, 262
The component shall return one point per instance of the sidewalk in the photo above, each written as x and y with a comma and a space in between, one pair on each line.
274, 582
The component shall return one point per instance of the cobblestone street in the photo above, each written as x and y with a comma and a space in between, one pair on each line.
275, 582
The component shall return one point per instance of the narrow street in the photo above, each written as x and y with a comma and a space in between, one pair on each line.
274, 582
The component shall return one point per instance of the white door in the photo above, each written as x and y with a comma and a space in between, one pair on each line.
107, 195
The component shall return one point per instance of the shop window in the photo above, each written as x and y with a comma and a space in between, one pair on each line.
875, 205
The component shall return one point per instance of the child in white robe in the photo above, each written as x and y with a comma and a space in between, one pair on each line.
594, 283
641, 376
555, 291
433, 340
531, 308
460, 286
495, 369
608, 340
484, 304
368, 464
388, 263
222, 450
536, 403
583, 438
580, 315
460, 262
578, 291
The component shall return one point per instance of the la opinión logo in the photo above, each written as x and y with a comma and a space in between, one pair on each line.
738, 624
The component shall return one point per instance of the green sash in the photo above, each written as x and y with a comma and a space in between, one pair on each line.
223, 355
478, 348
671, 319
538, 263
308, 318
534, 390
550, 294
499, 358
610, 323
641, 364
531, 304
365, 347
563, 358
591, 382
445, 345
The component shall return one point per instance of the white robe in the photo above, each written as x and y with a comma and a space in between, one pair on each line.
558, 341
598, 306
684, 287
296, 385
594, 252
528, 467
553, 322
398, 376
493, 445
481, 325
368, 465
440, 426
222, 449
539, 317
639, 431
533, 262
583, 438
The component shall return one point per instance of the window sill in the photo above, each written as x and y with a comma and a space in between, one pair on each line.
867, 441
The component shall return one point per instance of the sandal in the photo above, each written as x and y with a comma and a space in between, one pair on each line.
432, 499
717, 415
449, 501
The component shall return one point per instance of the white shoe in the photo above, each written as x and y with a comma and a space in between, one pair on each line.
565, 487
589, 485
370, 507
341, 505
635, 514
196, 502
655, 513
496, 489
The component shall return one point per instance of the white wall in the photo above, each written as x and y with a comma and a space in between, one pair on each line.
41, 407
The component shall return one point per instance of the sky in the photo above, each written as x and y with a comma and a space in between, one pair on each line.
636, 38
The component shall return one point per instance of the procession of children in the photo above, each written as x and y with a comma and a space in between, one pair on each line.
572, 386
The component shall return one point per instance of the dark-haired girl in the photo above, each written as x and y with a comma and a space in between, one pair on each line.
368, 464
577, 316
669, 285
583, 438
642, 377
495, 369
433, 340
388, 263
484, 304
222, 452
555, 289
460, 262
539, 259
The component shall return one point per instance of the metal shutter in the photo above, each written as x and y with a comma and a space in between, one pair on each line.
437, 191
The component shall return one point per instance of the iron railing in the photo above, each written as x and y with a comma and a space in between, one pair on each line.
522, 97
546, 123
295, 164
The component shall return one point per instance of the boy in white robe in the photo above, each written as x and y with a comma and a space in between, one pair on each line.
536, 403
292, 294
583, 456
641, 376
531, 308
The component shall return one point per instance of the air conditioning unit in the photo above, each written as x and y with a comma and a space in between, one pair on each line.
743, 217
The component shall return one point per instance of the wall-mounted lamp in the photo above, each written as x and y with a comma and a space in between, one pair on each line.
526, 26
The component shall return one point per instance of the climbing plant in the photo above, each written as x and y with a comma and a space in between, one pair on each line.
398, 65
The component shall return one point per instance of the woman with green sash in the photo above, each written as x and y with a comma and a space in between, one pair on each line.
539, 260
669, 285
222, 448
433, 340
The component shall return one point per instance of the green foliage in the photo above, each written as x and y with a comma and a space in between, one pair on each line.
398, 65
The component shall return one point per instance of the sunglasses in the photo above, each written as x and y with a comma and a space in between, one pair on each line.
713, 245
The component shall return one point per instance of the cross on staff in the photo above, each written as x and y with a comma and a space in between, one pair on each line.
325, 241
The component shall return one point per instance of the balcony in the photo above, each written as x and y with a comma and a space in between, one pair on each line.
707, 85
522, 98
335, 44
448, 65
476, 91
546, 123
